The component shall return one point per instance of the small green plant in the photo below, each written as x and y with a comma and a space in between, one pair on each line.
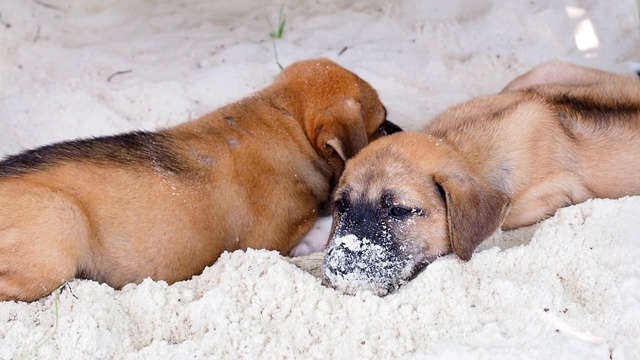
277, 33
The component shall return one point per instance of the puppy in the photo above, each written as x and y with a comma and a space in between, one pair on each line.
555, 136
164, 205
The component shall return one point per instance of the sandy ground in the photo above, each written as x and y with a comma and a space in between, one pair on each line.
567, 288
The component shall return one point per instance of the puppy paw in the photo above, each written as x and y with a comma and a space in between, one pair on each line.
315, 240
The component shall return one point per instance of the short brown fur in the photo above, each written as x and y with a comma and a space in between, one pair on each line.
555, 136
165, 205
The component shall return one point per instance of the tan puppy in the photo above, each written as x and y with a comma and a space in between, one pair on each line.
556, 136
165, 205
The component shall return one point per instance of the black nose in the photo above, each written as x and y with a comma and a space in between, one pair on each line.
389, 128
347, 261
352, 264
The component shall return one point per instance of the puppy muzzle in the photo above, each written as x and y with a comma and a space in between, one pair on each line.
389, 128
356, 262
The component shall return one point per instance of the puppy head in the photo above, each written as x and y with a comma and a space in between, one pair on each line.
401, 203
341, 113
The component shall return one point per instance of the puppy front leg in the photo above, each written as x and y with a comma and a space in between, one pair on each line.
316, 239
542, 200
42, 233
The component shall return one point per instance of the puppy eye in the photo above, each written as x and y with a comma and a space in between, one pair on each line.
399, 212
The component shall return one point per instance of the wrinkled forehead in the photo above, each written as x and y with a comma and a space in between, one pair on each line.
375, 179
401, 165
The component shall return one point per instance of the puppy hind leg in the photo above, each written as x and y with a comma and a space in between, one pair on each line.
557, 73
42, 236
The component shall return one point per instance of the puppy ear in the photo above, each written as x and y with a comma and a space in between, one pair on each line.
339, 130
339, 147
474, 211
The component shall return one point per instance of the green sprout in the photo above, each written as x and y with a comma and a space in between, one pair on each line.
277, 34
281, 23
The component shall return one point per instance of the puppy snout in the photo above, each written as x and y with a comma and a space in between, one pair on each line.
389, 128
353, 264
345, 260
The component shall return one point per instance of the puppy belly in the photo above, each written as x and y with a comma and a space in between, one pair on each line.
316, 239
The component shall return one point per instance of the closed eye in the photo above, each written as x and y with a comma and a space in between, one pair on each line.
400, 212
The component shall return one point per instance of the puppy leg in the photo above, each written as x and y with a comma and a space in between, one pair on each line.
316, 239
543, 200
557, 73
42, 232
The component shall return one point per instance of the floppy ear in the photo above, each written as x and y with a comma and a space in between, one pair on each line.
474, 211
339, 130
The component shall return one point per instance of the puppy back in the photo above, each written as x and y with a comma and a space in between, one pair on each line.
148, 149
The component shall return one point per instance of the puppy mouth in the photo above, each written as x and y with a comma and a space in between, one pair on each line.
354, 264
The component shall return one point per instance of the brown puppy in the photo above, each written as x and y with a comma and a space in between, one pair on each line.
556, 136
166, 204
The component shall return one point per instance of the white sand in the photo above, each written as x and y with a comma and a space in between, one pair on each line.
568, 288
